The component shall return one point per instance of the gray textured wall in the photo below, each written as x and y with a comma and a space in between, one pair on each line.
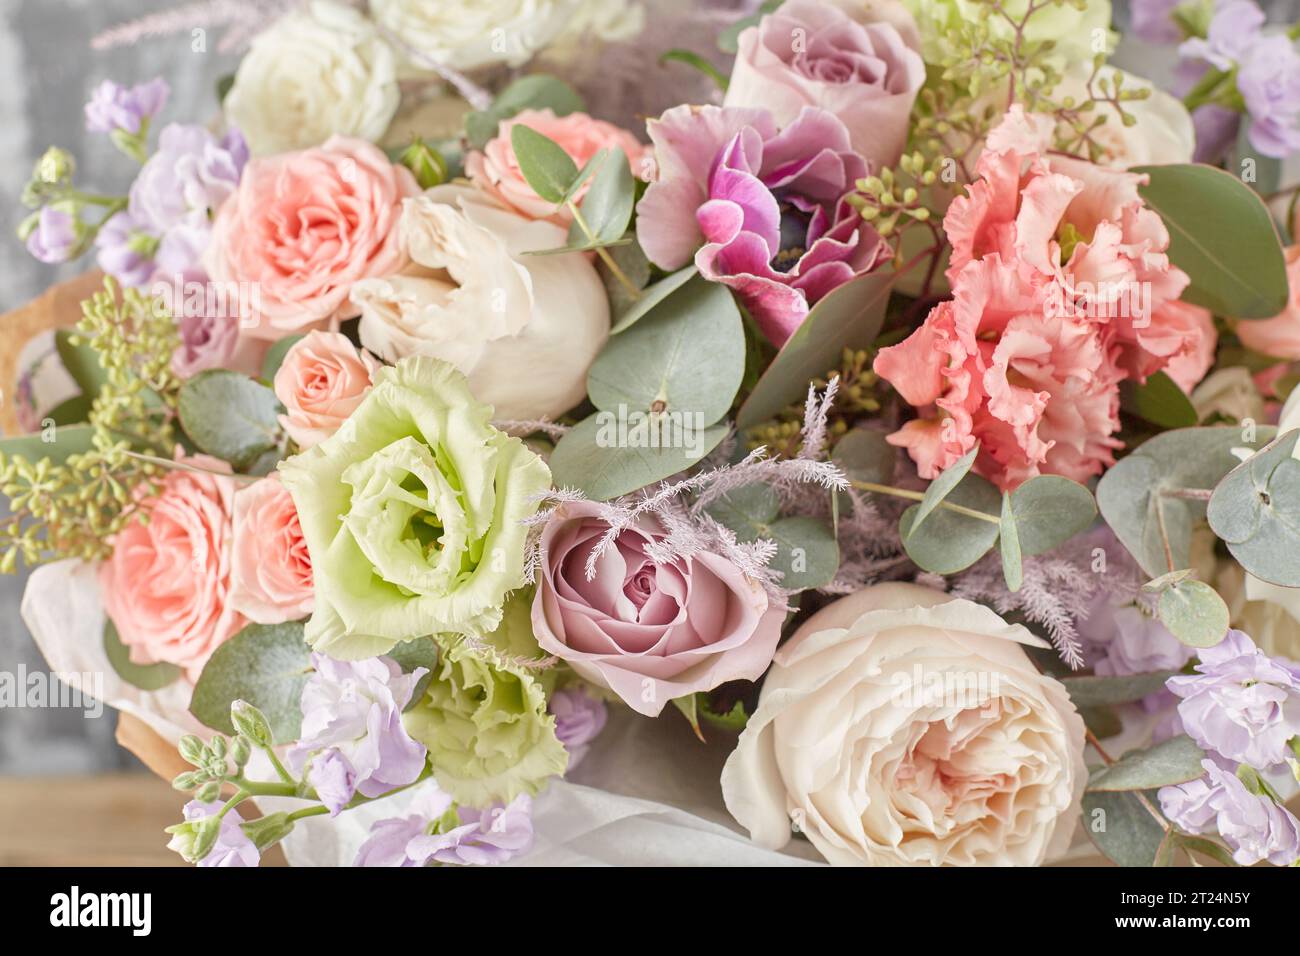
47, 68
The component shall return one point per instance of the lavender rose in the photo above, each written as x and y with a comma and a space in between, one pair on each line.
1241, 703
761, 211
811, 53
648, 630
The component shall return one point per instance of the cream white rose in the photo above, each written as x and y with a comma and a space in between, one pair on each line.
523, 329
318, 71
467, 34
900, 727
1163, 133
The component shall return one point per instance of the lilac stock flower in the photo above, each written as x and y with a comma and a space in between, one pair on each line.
473, 838
116, 107
233, 847
334, 779
1151, 21
1241, 703
1125, 641
1254, 827
125, 250
355, 709
579, 719
760, 210
56, 236
1269, 83
1233, 30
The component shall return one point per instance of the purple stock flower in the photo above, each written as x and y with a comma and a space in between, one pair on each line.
113, 106
474, 837
761, 211
1241, 703
1269, 83
579, 719
233, 847
125, 250
334, 779
1233, 30
1254, 827
56, 236
1152, 22
355, 709
1125, 641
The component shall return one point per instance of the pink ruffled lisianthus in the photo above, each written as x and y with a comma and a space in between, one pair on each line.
761, 210
1062, 289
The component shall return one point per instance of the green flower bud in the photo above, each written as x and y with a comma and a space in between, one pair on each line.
240, 751
55, 167
208, 792
426, 163
269, 830
194, 839
191, 749
188, 780
251, 722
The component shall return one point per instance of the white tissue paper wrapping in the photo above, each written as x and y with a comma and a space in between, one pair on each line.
647, 793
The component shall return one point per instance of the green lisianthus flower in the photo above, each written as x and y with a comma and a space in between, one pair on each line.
412, 514
1074, 31
483, 717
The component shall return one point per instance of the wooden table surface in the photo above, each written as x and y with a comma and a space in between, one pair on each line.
103, 820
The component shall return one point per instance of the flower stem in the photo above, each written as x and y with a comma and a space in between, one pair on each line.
920, 496
614, 268
186, 466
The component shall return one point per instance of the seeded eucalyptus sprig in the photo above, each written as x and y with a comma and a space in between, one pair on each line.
87, 482
857, 396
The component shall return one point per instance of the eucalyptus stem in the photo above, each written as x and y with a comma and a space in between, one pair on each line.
614, 268
186, 466
920, 496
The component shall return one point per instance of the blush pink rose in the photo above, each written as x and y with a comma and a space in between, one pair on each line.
496, 170
303, 227
864, 69
271, 578
1062, 289
650, 631
166, 586
1279, 336
321, 381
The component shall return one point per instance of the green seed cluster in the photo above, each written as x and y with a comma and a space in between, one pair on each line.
858, 395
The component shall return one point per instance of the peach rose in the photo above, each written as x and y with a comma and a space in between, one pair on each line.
303, 227
271, 577
321, 381
496, 170
1280, 335
167, 585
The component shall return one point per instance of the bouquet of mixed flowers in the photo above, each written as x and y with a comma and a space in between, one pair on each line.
892, 411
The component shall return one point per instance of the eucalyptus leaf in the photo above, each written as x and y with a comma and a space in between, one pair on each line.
230, 416
1122, 828
1104, 691
1102, 721
274, 357
746, 510
546, 167
1234, 257
849, 317
70, 411
695, 61
1255, 509
1131, 494
1051, 510
943, 485
266, 665
1009, 539
864, 455
1159, 401
807, 553
686, 359
651, 297
607, 207
148, 677
82, 363
55, 442
1194, 613
603, 468
1166, 764
534, 91
950, 541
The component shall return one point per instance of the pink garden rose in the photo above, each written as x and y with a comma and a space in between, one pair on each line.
321, 381
271, 578
1279, 336
496, 171
813, 53
760, 210
304, 226
167, 585
1061, 290
649, 631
